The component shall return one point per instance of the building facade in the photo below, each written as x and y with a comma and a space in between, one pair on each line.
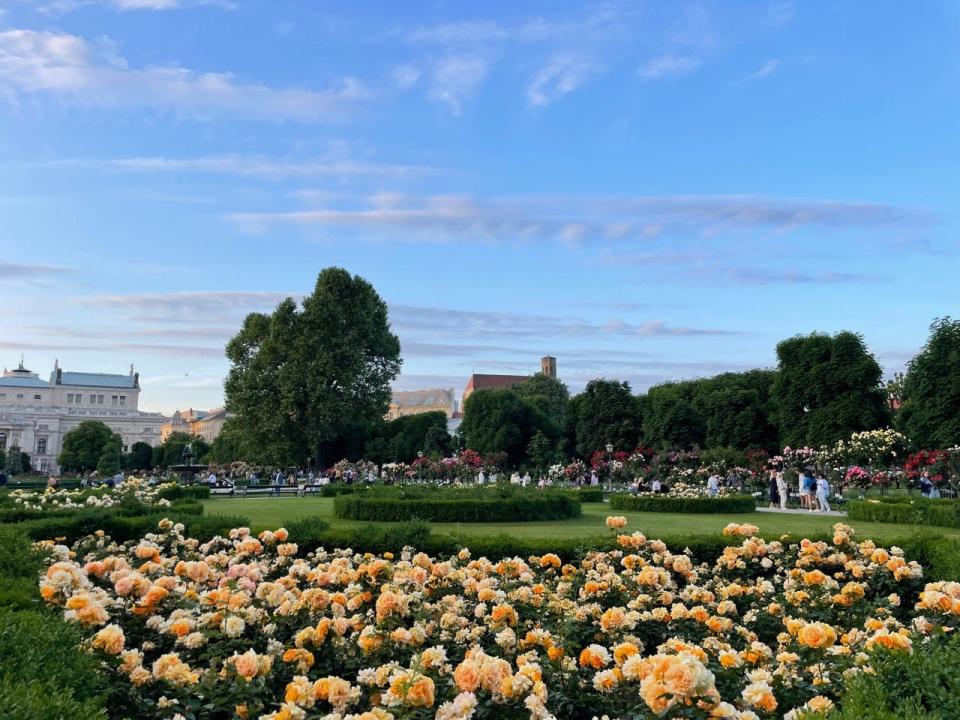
203, 423
35, 414
483, 381
414, 402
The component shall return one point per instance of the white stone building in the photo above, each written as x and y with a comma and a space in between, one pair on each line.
35, 414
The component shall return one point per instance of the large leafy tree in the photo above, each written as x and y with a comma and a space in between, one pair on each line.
736, 410
827, 387
83, 446
400, 439
140, 456
549, 395
497, 421
930, 415
606, 411
302, 378
670, 419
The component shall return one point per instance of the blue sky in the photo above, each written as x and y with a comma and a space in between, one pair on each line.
647, 190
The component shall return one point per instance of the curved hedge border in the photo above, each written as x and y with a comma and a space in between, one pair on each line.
590, 495
665, 503
517, 508
939, 513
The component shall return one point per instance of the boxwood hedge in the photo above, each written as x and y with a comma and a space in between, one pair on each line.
448, 505
667, 504
908, 511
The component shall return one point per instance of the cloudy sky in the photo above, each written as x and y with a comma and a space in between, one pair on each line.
647, 190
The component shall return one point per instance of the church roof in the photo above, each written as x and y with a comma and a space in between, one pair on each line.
480, 381
104, 380
418, 398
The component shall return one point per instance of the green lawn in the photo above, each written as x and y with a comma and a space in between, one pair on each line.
275, 512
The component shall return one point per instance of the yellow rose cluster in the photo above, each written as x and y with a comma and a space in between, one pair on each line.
259, 629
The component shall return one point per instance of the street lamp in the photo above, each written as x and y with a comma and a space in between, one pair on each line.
419, 465
609, 467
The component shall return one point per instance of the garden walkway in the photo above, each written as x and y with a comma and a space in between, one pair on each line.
797, 511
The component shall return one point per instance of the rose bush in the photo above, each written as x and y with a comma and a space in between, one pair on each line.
248, 626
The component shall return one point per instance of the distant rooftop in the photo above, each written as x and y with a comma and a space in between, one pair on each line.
105, 380
416, 398
11, 380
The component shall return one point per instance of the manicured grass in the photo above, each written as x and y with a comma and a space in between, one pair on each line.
275, 512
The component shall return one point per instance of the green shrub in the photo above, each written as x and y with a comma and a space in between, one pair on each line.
177, 492
185, 507
590, 495
336, 489
667, 504
910, 511
308, 533
923, 685
447, 506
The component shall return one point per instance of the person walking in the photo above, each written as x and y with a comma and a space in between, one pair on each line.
823, 493
774, 490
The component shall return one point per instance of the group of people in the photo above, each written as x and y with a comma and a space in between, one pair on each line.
927, 487
813, 490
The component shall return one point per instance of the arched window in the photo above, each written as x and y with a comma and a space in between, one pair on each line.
41, 446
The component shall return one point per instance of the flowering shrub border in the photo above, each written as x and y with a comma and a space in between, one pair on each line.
666, 503
250, 625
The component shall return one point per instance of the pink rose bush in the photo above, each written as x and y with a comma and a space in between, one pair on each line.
248, 626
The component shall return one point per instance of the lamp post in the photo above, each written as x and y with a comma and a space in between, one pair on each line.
609, 466
419, 464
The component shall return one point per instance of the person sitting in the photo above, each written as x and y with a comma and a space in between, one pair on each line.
655, 486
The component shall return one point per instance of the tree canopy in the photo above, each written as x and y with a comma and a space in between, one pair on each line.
400, 439
171, 451
501, 421
930, 415
605, 412
826, 388
549, 396
302, 377
83, 446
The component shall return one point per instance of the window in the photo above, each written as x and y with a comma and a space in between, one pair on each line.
3, 396
99, 399
37, 397
93, 399
19, 396
114, 400
123, 399
43, 427
3, 441
69, 398
41, 446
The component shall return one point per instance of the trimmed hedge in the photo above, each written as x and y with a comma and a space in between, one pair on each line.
457, 507
590, 495
915, 511
178, 492
336, 489
667, 504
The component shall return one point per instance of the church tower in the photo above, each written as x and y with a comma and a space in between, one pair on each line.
548, 366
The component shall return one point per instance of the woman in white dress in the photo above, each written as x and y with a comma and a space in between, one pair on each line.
782, 488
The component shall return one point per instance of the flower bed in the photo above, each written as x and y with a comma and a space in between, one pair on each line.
907, 511
133, 491
250, 627
457, 505
677, 504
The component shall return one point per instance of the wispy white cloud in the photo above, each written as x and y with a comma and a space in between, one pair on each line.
768, 68
458, 33
13, 272
71, 71
668, 66
248, 166
405, 76
451, 218
60, 7
455, 79
560, 76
